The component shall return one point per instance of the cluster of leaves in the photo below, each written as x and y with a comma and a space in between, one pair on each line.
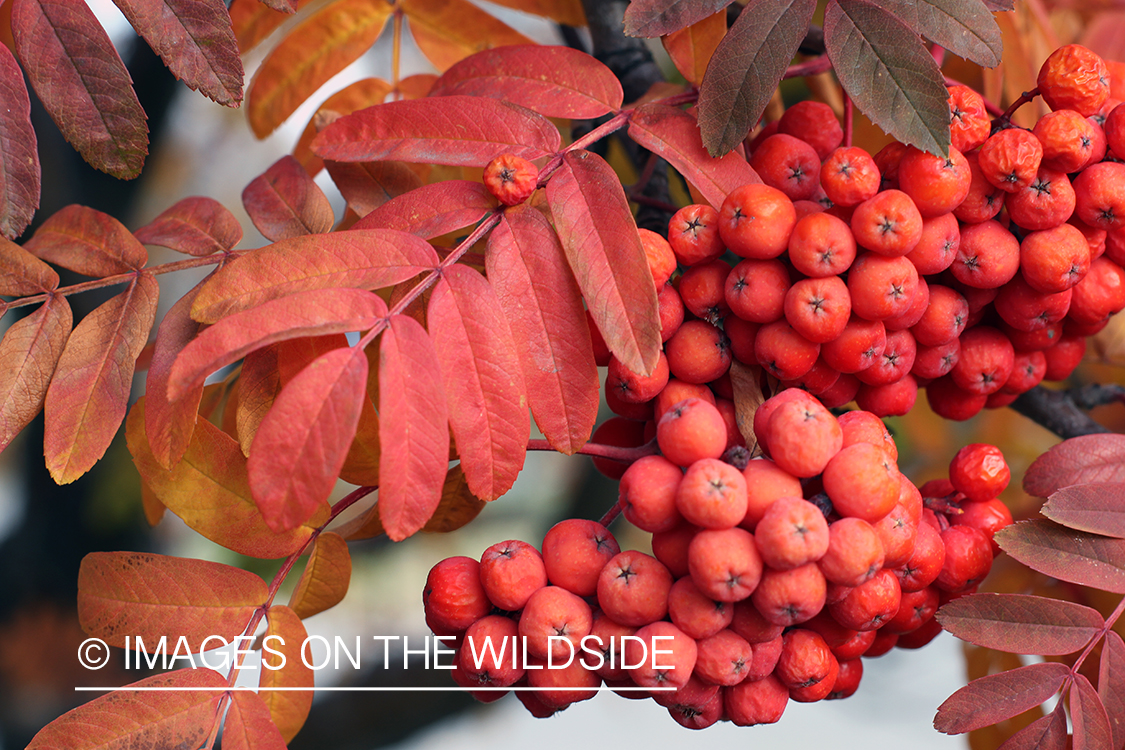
1081, 541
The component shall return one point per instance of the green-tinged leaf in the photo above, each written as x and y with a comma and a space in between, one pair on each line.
1066, 554
450, 30
282, 666
1021, 624
464, 131
133, 718
964, 27
142, 595
673, 135
87, 241
302, 442
992, 699
553, 81
889, 73
653, 18
599, 235
87, 398
746, 68
362, 259
82, 83
19, 154
169, 424
249, 726
1111, 686
324, 581
284, 202
29, 353
195, 40
210, 491
483, 380
1080, 460
318, 48
194, 226
312, 313
1089, 721
22, 274
1098, 507
527, 267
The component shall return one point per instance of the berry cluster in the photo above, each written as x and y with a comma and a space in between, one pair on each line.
864, 277
768, 579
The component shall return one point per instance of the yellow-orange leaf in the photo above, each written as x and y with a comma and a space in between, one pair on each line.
324, 582
28, 355
249, 725
691, 48
138, 594
458, 505
209, 489
254, 20
361, 466
319, 48
135, 719
289, 708
450, 30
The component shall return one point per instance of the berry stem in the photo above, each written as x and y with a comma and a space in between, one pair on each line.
849, 117
816, 65
610, 515
1025, 97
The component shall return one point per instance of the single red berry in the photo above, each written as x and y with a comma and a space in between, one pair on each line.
1073, 77
510, 179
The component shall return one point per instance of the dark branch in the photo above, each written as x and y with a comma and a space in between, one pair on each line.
1096, 394
1056, 411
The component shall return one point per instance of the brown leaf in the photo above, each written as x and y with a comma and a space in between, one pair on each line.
284, 202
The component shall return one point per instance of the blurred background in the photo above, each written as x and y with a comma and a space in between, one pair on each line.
199, 148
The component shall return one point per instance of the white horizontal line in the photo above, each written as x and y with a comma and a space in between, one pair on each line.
364, 689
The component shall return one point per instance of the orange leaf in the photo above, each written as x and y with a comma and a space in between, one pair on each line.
141, 595
254, 20
363, 93
90, 391
249, 726
128, 718
553, 81
449, 30
674, 135
368, 185
318, 48
194, 226
87, 241
210, 491
413, 428
367, 259
289, 708
284, 202
691, 48
458, 504
483, 380
591, 215
361, 465
566, 12
29, 354
259, 383
22, 274
527, 267
433, 210
169, 424
301, 444
315, 312
324, 582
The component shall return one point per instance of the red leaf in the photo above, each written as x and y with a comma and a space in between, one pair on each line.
1021, 624
29, 354
1111, 686
1068, 555
553, 81
673, 134
249, 726
284, 202
289, 708
22, 274
527, 268
318, 48
591, 215
483, 380
653, 18
195, 40
303, 314
301, 444
87, 398
138, 594
82, 83
997, 697
413, 428
1090, 723
1098, 507
324, 582
747, 67
464, 131
364, 93
366, 259
369, 184
169, 424
432, 210
128, 718
1045, 733
210, 491
1080, 460
194, 226
19, 153
87, 241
